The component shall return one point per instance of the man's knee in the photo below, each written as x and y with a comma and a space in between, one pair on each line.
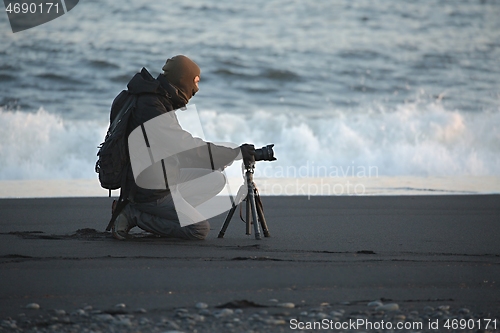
198, 231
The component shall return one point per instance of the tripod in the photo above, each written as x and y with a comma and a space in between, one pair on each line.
255, 209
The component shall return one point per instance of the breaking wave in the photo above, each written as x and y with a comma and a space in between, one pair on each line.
412, 140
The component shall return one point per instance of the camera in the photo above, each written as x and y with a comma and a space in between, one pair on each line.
265, 153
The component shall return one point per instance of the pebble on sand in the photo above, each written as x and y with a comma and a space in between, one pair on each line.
287, 305
321, 315
33, 306
375, 304
104, 317
201, 305
336, 314
272, 321
388, 307
227, 312
79, 312
60, 312
399, 317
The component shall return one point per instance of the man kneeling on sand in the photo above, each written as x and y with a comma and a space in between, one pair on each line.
152, 208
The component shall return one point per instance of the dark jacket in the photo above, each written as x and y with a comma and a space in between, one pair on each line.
156, 97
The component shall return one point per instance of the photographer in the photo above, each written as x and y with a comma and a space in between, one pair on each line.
152, 209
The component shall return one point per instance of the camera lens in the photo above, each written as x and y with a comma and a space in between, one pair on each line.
265, 153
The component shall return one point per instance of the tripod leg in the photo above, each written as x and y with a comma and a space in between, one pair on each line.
262, 219
248, 217
226, 222
256, 226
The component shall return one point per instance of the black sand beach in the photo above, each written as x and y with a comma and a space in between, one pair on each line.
326, 252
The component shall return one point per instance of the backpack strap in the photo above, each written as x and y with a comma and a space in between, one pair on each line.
118, 208
126, 196
122, 201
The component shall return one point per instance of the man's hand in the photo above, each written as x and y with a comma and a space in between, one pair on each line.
248, 152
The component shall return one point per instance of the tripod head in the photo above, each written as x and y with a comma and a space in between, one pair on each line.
249, 165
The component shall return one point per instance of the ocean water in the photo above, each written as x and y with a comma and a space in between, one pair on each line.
340, 87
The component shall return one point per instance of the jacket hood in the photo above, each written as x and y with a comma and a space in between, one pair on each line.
145, 83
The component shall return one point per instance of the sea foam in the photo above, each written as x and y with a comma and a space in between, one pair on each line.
412, 140
44, 146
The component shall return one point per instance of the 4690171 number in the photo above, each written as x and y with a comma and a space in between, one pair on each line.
32, 8
471, 324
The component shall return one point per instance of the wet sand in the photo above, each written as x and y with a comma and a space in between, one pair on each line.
411, 250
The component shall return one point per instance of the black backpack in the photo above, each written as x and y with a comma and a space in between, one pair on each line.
113, 160
113, 157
